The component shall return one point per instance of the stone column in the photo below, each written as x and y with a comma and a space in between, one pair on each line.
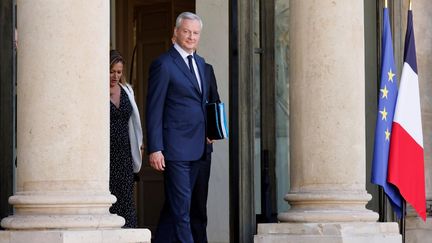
63, 126
418, 231
327, 98
327, 135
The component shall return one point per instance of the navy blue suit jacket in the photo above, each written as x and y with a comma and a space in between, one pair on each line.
175, 114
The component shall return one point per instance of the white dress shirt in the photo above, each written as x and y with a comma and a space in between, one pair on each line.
184, 55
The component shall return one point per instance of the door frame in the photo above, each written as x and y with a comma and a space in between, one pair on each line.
7, 104
241, 142
242, 136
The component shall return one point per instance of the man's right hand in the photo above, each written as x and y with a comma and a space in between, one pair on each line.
157, 161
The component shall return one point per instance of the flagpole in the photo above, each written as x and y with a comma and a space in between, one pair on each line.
382, 205
403, 219
382, 197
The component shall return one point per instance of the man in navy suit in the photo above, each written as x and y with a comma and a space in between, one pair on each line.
176, 126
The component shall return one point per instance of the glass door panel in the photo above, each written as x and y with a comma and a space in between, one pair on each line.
282, 102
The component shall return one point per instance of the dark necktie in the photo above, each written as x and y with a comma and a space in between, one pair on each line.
191, 68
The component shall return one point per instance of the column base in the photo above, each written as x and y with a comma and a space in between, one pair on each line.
62, 210
44, 222
77, 236
328, 233
418, 231
328, 206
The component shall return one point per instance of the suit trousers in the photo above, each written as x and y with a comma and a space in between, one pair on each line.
198, 211
184, 215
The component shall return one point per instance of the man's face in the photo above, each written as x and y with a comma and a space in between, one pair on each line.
187, 36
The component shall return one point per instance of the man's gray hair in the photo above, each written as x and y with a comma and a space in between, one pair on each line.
188, 15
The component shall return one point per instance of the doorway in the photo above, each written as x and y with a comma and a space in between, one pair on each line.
143, 31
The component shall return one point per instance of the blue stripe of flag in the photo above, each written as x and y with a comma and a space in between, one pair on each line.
410, 50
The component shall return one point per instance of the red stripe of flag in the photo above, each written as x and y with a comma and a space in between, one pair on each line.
406, 170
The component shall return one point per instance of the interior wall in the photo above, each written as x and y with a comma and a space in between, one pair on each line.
214, 48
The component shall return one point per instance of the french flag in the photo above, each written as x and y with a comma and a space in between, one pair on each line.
406, 156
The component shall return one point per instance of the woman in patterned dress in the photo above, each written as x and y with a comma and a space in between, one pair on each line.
125, 142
